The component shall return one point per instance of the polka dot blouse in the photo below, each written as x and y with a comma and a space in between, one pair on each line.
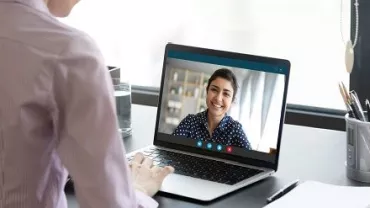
228, 132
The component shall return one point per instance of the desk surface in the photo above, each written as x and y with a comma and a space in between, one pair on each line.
306, 153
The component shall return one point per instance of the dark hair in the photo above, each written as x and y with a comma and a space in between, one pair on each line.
225, 74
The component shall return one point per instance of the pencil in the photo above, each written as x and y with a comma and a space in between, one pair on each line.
367, 104
347, 102
345, 92
342, 93
345, 98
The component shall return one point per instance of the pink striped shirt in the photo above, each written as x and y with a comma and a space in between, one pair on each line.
57, 114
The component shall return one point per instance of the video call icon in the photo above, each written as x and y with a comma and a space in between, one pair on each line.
229, 149
219, 147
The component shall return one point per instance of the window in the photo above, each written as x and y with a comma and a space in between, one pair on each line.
132, 35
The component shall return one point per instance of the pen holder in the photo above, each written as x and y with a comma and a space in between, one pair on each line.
358, 149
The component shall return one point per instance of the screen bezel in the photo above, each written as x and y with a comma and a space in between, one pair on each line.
233, 55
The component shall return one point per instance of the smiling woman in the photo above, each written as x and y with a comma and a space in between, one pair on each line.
214, 124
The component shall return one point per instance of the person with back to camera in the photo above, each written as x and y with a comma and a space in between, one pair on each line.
214, 124
58, 117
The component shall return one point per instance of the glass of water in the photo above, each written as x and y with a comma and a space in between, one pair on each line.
122, 94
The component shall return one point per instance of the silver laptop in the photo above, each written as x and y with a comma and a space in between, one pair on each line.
219, 120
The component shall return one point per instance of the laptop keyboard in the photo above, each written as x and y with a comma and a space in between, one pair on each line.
200, 167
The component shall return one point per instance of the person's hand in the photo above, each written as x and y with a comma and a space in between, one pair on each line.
146, 177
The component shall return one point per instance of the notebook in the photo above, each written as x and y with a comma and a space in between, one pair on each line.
317, 194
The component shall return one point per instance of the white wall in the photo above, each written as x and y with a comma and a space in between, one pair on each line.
132, 34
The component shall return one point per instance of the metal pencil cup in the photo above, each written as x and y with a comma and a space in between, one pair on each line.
358, 149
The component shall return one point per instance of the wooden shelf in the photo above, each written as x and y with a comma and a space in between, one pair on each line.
177, 82
192, 85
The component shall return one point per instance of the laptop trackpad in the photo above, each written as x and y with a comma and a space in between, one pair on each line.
192, 187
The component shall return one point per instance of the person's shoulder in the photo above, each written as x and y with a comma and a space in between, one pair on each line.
80, 48
79, 43
233, 122
79, 54
193, 117
201, 115
42, 31
65, 39
190, 117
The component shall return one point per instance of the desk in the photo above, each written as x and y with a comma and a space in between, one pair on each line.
306, 153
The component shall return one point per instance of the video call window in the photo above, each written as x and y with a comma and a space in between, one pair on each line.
221, 104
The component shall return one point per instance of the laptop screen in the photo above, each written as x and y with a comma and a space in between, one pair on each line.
224, 103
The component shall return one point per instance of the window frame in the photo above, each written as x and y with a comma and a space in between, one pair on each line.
359, 79
295, 114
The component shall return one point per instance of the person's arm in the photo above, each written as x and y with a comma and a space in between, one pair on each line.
90, 146
240, 135
183, 128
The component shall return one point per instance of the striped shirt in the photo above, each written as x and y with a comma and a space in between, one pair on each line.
57, 116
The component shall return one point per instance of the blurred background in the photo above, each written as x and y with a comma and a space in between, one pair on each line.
132, 35
257, 105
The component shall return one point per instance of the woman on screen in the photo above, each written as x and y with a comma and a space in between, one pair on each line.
214, 124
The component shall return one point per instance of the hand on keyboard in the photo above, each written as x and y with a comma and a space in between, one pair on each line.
146, 177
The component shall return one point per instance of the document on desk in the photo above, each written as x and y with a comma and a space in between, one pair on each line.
316, 194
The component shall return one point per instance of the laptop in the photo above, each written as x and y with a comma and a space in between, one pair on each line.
219, 120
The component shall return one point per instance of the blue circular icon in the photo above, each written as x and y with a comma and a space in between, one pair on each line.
209, 146
199, 143
219, 147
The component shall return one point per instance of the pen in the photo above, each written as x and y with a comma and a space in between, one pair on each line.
283, 191
351, 113
346, 100
367, 104
345, 91
354, 111
357, 108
